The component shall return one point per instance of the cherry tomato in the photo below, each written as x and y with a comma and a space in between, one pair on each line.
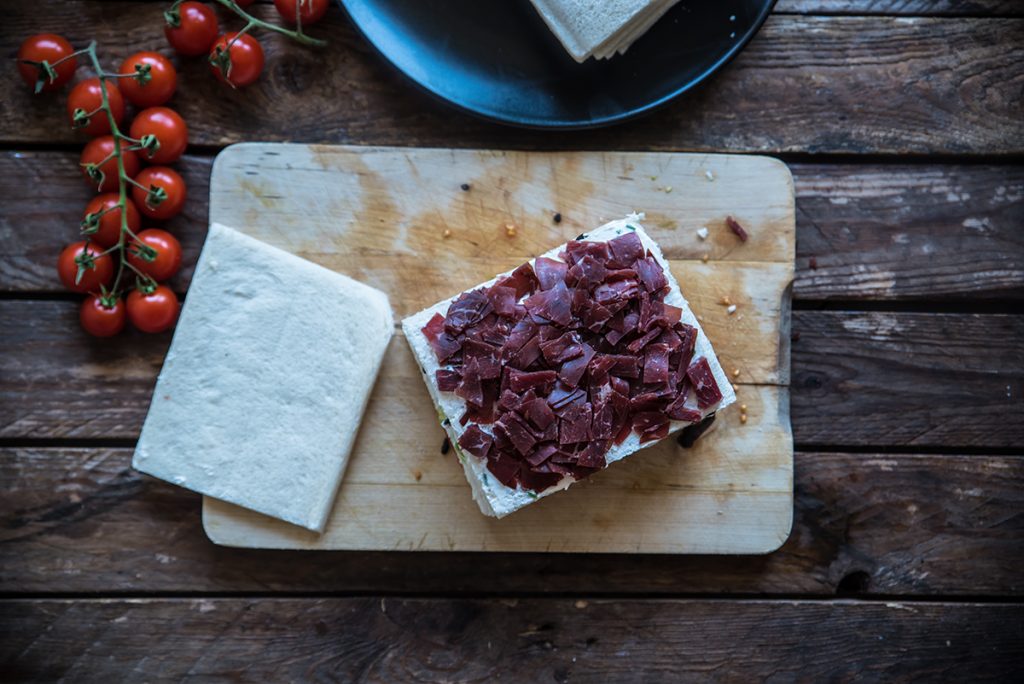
109, 230
169, 129
242, 64
49, 48
312, 11
168, 254
102, 316
87, 97
153, 312
165, 179
163, 79
195, 30
101, 148
100, 273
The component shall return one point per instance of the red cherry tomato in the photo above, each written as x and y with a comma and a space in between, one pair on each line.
102, 316
49, 48
109, 230
168, 254
312, 11
195, 30
87, 97
101, 148
153, 312
167, 180
101, 272
163, 79
169, 129
242, 64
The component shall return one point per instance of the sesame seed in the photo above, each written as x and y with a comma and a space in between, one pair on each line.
447, 233
743, 418
735, 372
510, 229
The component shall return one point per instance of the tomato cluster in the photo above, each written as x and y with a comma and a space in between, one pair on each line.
158, 136
236, 57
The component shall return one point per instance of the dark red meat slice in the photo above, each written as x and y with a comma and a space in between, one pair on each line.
523, 279
553, 305
503, 299
520, 381
655, 364
471, 388
563, 396
736, 228
586, 273
704, 385
593, 455
542, 453
539, 481
651, 274
646, 401
626, 249
443, 344
523, 332
468, 309
539, 413
549, 272
655, 433
602, 424
576, 250
572, 371
639, 343
616, 291
574, 426
522, 439
508, 401
527, 354
505, 468
563, 348
447, 380
476, 441
625, 366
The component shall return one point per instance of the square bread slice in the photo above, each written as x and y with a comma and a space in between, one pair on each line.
493, 497
584, 26
266, 380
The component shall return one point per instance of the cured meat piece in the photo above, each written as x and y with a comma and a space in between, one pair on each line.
476, 441
586, 273
523, 332
538, 481
736, 228
520, 381
616, 291
593, 455
576, 250
599, 368
639, 343
603, 423
523, 279
468, 309
655, 364
522, 439
626, 249
447, 380
704, 385
655, 433
651, 274
549, 272
527, 354
572, 371
553, 305
539, 413
574, 427
505, 468
502, 299
646, 401
471, 388
563, 348
563, 396
508, 401
542, 453
443, 344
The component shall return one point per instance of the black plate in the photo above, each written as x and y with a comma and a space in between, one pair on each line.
499, 60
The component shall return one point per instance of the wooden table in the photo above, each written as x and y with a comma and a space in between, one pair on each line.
903, 123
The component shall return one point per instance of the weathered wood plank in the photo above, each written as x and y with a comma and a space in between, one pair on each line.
934, 85
916, 380
374, 639
874, 231
80, 520
1002, 8
871, 379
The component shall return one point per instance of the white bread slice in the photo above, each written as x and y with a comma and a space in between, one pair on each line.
264, 386
494, 498
625, 40
583, 26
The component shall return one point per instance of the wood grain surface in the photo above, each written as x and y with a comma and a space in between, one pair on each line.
874, 231
81, 520
529, 640
934, 86
859, 379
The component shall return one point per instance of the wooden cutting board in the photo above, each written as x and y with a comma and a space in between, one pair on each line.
424, 224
